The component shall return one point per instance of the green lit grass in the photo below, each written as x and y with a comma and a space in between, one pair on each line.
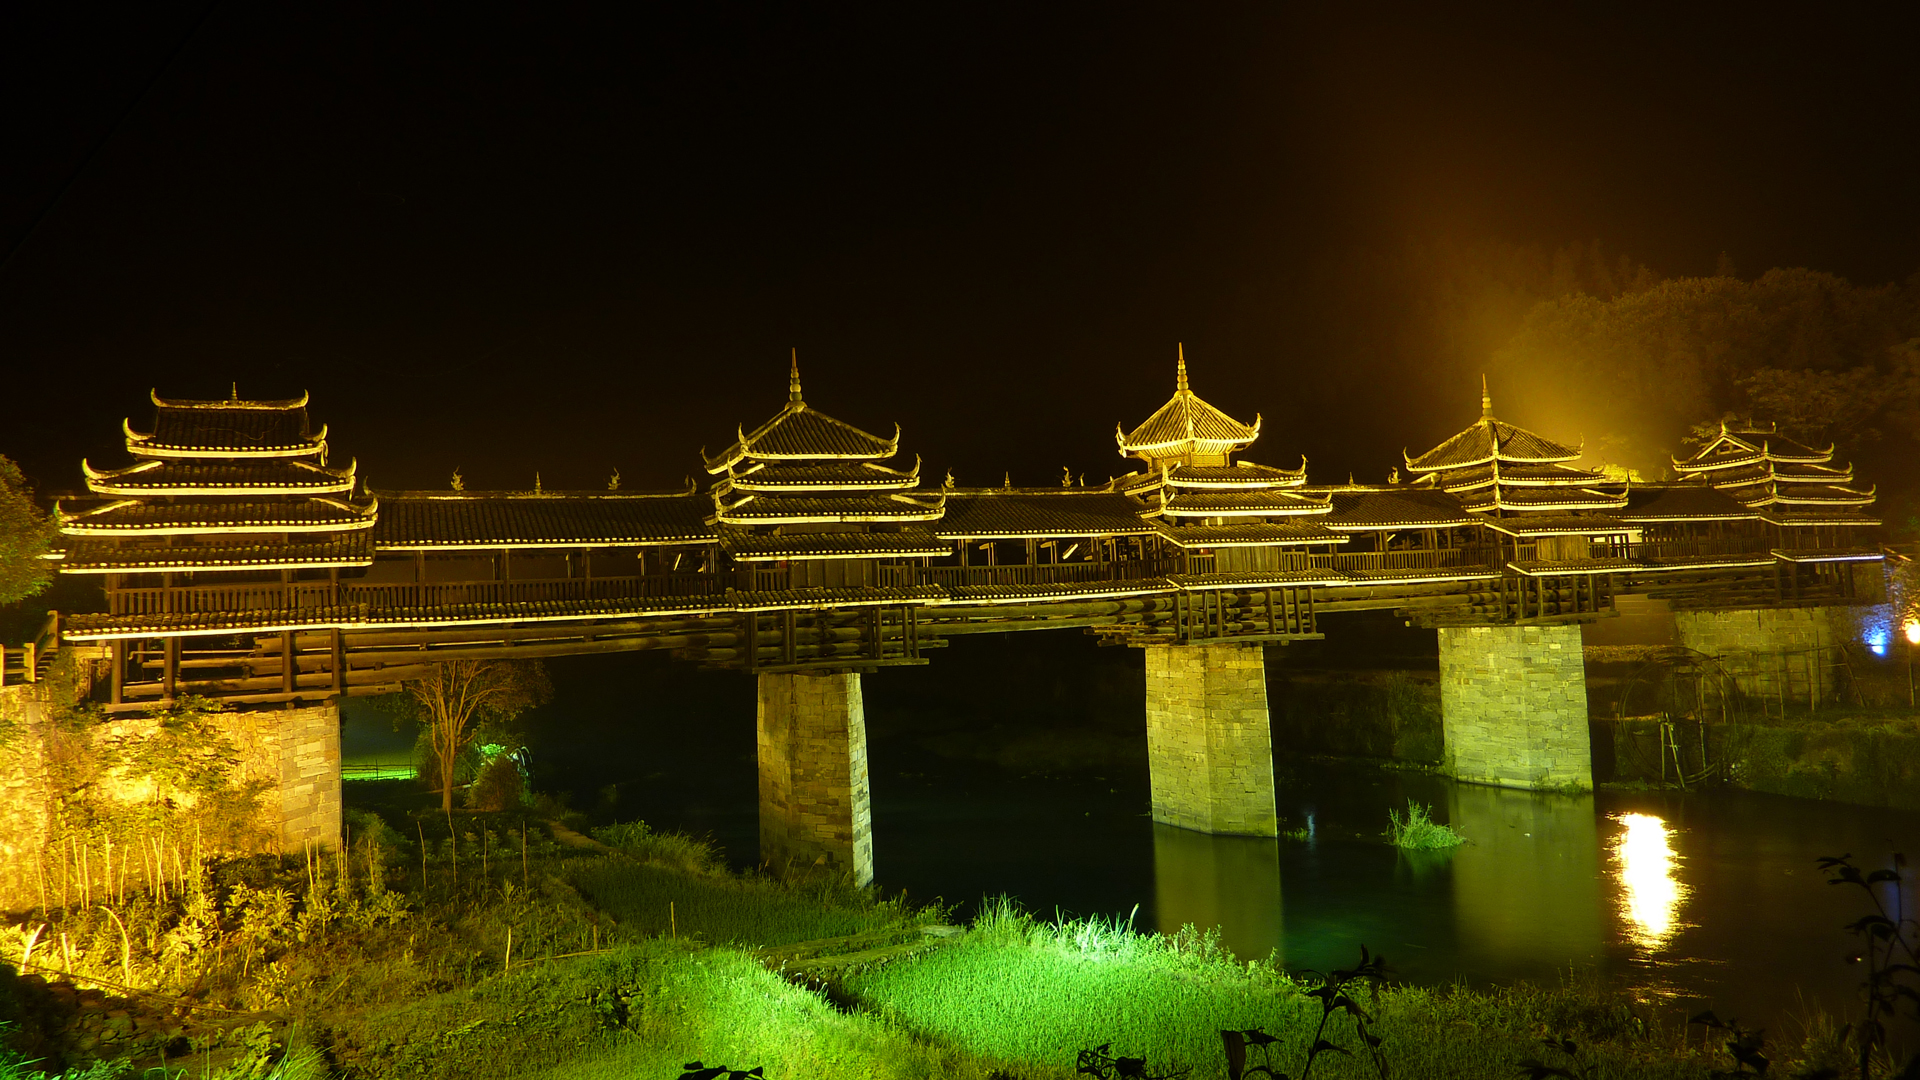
1419, 832
1037, 993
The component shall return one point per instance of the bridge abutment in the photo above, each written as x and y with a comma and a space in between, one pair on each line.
1209, 744
815, 809
1513, 704
1778, 653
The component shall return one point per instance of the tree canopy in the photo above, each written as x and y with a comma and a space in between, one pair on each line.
26, 532
457, 699
1820, 356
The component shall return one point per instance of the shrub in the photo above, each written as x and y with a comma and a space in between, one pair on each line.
1419, 832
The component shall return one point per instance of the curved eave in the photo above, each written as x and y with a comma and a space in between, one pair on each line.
1599, 503
1195, 445
202, 567
550, 543
725, 517
224, 528
142, 445
1254, 512
341, 487
279, 405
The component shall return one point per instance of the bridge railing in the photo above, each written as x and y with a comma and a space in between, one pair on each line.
1042, 574
389, 595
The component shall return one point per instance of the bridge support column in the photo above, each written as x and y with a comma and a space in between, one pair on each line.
1209, 745
814, 803
1513, 705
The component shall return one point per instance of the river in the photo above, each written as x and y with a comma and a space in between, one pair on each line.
1704, 900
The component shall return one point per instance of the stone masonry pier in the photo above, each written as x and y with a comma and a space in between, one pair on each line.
1209, 744
1513, 702
815, 809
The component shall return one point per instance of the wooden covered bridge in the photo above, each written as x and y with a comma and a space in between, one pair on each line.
240, 561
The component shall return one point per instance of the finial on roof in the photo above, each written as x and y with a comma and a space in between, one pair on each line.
1486, 399
234, 393
1180, 370
1006, 482
459, 482
793, 378
1066, 476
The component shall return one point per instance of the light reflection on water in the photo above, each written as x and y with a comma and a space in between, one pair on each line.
1649, 873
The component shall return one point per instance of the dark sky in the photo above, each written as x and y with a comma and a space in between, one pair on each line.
574, 239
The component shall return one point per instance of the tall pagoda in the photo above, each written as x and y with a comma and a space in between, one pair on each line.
1497, 468
219, 492
1766, 470
228, 516
810, 494
1201, 498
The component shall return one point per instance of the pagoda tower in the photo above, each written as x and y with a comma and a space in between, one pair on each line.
1204, 500
809, 493
1496, 468
1765, 470
219, 493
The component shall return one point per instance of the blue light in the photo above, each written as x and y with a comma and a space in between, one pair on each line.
1877, 640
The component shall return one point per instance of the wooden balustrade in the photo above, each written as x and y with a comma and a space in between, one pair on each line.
388, 595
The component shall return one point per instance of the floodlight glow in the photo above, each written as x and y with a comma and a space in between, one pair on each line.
1913, 631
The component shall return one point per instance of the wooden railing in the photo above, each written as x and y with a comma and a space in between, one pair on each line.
22, 663
1043, 574
389, 595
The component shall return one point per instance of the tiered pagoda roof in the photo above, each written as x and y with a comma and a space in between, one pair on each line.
1194, 491
219, 485
1497, 468
1186, 430
1763, 469
804, 485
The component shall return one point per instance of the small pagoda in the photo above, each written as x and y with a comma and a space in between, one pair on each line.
219, 493
1497, 468
810, 495
1204, 500
1765, 470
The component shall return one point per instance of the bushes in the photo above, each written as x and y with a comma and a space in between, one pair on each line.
1419, 832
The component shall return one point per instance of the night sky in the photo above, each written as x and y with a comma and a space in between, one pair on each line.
569, 240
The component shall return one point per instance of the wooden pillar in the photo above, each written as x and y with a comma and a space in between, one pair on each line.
169, 666
339, 662
289, 665
119, 684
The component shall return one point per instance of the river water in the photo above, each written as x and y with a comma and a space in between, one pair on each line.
1704, 900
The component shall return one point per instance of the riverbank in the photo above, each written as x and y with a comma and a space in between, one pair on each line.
502, 949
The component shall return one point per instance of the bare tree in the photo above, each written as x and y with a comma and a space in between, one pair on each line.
456, 698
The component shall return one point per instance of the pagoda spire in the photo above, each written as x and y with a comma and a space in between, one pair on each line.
793, 378
1486, 399
1180, 371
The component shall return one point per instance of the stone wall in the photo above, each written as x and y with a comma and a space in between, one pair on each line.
1776, 652
293, 755
1209, 744
1513, 700
815, 807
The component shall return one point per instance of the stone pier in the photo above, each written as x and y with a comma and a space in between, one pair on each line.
814, 803
1513, 704
1209, 745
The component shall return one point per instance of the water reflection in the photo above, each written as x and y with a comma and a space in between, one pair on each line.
1232, 882
1650, 884
1526, 897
